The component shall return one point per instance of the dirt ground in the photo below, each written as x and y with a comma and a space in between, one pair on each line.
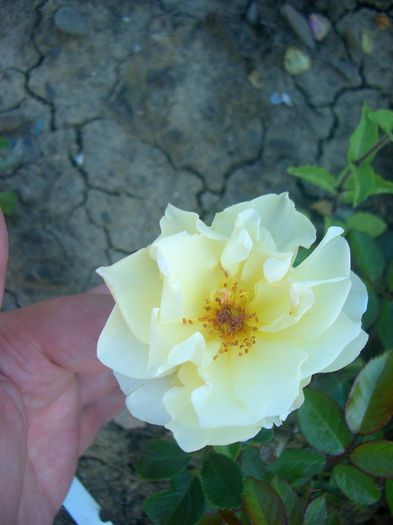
115, 108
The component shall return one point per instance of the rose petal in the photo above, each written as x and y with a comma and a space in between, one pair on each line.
176, 220
349, 353
136, 286
119, 349
356, 303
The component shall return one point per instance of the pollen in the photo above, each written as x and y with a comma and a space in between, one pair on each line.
228, 318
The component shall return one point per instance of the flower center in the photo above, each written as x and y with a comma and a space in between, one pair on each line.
228, 317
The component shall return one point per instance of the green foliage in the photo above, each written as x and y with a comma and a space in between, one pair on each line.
8, 202
356, 485
375, 458
222, 481
316, 176
161, 459
184, 502
316, 512
262, 504
323, 424
338, 452
370, 403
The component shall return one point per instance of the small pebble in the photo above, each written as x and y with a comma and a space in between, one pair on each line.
280, 98
70, 21
383, 22
255, 79
299, 25
296, 61
320, 26
79, 159
367, 42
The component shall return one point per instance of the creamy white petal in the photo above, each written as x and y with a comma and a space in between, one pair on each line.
278, 215
276, 267
328, 303
145, 401
176, 220
267, 379
349, 353
120, 350
329, 262
236, 250
193, 263
356, 303
324, 350
136, 286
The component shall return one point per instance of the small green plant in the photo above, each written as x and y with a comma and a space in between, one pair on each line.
7, 198
332, 462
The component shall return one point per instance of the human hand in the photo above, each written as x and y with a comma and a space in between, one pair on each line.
54, 396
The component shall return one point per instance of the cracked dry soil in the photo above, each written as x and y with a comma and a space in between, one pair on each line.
125, 106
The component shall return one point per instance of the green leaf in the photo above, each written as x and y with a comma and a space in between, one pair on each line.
262, 504
297, 463
231, 451
338, 385
263, 436
210, 519
315, 175
368, 256
251, 464
384, 119
382, 185
7, 202
367, 223
161, 459
389, 494
4, 143
316, 512
370, 402
371, 314
222, 481
364, 182
356, 485
290, 499
363, 138
184, 502
322, 423
390, 276
376, 458
385, 324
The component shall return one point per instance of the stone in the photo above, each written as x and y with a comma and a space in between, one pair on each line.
70, 21
296, 61
12, 89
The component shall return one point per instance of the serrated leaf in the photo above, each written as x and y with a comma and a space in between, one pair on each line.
316, 512
384, 119
161, 459
315, 175
322, 423
370, 402
376, 458
297, 463
385, 324
7, 202
290, 499
222, 481
252, 466
231, 451
389, 494
368, 256
184, 502
356, 485
262, 504
363, 138
366, 222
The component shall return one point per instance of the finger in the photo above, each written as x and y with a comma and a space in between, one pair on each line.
66, 329
3, 254
94, 387
96, 416
101, 288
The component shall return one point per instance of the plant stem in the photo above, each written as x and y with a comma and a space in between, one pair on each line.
346, 172
229, 517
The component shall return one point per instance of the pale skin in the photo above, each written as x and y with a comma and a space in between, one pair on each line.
54, 397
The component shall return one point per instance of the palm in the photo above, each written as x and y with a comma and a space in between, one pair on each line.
54, 396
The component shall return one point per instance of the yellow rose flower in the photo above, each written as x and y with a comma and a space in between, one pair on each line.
215, 333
